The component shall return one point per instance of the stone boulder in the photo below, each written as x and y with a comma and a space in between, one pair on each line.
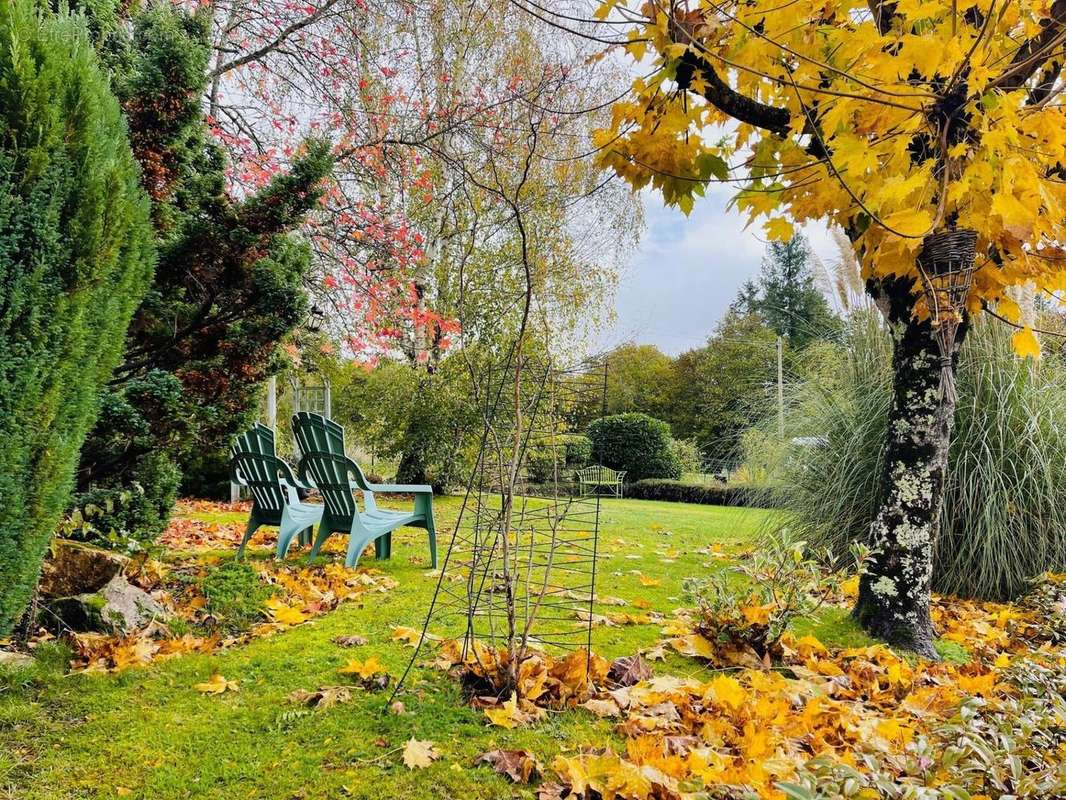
74, 568
118, 607
12, 660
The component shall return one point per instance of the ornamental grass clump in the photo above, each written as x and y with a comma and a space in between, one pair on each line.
1005, 500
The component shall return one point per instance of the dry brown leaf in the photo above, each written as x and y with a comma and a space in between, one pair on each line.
350, 640
518, 765
324, 697
628, 670
602, 707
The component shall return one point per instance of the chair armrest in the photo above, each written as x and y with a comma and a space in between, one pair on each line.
401, 488
298, 484
235, 474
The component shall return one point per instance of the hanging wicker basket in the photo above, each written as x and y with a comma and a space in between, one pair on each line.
947, 263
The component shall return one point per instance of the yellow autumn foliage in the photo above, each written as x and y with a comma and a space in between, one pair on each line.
938, 117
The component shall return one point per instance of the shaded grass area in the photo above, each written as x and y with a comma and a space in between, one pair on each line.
147, 733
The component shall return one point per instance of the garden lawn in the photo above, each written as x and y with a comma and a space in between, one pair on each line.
146, 732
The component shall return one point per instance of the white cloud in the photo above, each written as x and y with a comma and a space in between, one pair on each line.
687, 271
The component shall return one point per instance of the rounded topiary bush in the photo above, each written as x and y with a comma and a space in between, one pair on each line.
639, 444
76, 254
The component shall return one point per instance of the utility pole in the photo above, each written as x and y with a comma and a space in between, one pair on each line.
780, 387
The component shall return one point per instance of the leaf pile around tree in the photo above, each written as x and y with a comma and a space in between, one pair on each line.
801, 719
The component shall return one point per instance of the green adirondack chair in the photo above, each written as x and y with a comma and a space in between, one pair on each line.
273, 489
335, 475
260, 439
315, 433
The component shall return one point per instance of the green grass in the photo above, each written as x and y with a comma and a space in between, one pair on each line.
148, 731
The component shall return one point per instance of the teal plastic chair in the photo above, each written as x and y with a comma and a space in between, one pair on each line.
335, 476
273, 488
315, 433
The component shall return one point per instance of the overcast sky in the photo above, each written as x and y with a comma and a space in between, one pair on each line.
687, 270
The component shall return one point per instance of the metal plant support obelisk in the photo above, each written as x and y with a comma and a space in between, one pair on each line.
520, 571
946, 263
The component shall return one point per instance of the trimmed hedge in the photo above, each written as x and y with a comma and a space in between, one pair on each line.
639, 444
76, 255
679, 492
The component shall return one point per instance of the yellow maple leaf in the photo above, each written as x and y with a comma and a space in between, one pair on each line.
287, 615
728, 692
779, 229
364, 669
694, 645
1026, 345
217, 684
646, 581
895, 731
507, 715
757, 615
910, 222
977, 685
419, 754
850, 587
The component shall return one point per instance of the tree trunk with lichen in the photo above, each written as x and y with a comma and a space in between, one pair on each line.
894, 590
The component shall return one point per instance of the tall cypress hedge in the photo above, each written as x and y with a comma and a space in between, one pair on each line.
76, 255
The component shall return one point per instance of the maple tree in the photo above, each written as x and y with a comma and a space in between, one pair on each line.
912, 125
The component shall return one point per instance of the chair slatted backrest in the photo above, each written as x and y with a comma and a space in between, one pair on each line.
262, 472
316, 434
329, 472
257, 439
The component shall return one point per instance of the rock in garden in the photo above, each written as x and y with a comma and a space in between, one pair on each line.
12, 660
74, 568
119, 607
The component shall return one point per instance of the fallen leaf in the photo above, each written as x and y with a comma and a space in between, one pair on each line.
602, 707
511, 714
287, 615
397, 708
364, 669
324, 697
646, 581
518, 765
350, 640
419, 754
216, 684
728, 691
412, 637
628, 670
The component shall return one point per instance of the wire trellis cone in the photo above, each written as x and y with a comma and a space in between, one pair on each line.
946, 263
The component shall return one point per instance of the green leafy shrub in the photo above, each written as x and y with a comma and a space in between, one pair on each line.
578, 450
235, 595
76, 255
778, 582
688, 455
636, 443
127, 480
1005, 497
703, 494
547, 460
